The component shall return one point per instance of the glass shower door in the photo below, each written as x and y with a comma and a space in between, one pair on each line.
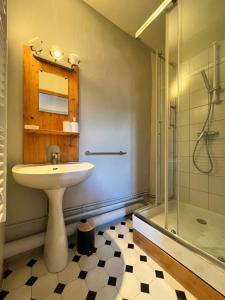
200, 138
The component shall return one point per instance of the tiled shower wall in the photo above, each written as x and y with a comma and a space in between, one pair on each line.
202, 190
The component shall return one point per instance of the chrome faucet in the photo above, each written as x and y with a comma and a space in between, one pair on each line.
53, 154
55, 158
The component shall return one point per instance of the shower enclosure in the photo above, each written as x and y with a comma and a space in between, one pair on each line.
189, 140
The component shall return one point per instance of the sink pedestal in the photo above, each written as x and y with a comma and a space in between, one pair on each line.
56, 244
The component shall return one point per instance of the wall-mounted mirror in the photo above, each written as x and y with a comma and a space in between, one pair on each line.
53, 93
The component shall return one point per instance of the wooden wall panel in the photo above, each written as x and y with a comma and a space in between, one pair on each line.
50, 125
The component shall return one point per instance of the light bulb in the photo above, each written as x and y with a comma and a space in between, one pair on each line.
56, 53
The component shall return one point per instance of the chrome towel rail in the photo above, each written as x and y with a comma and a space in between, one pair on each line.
105, 153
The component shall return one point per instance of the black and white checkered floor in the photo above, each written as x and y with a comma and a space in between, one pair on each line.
118, 270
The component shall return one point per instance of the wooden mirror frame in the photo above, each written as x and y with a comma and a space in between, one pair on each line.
50, 132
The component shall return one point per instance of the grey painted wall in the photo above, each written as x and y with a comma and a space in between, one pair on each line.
114, 95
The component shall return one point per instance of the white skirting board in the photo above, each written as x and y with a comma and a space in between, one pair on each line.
205, 269
71, 215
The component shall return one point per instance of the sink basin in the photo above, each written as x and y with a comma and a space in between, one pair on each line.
48, 177
53, 179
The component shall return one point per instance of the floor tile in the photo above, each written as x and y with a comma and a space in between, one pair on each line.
99, 241
21, 293
31, 281
143, 258
70, 273
101, 263
118, 270
44, 286
31, 263
181, 295
88, 262
53, 296
82, 274
59, 288
145, 288
96, 279
159, 274
39, 268
143, 272
114, 266
105, 252
128, 237
160, 289
117, 253
130, 257
6, 273
143, 296
128, 286
76, 289
91, 295
17, 278
108, 293
76, 258
110, 234
112, 281
121, 229
119, 244
129, 269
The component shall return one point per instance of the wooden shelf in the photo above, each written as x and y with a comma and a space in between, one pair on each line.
50, 132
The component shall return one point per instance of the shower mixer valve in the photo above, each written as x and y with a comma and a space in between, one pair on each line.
207, 133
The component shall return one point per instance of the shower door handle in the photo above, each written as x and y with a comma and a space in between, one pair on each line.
172, 115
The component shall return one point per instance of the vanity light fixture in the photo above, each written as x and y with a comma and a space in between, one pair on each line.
73, 59
54, 55
36, 45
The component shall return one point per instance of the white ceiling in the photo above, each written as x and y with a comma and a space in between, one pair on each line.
129, 15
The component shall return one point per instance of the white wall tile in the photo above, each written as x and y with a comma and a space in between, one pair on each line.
199, 98
199, 182
183, 133
206, 191
183, 118
199, 198
217, 185
219, 111
199, 61
184, 194
183, 164
182, 149
183, 179
184, 102
196, 82
217, 203
198, 114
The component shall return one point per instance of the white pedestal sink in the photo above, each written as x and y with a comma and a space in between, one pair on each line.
53, 179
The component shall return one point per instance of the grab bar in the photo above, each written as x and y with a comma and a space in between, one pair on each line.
105, 153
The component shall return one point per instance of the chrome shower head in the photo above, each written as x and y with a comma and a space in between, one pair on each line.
206, 81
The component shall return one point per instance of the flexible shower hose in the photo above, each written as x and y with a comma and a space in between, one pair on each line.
204, 135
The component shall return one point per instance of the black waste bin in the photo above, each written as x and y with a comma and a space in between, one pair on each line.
85, 236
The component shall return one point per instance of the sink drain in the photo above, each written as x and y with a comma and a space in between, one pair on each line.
221, 259
201, 221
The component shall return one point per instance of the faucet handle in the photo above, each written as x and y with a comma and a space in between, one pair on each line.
55, 154
55, 157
